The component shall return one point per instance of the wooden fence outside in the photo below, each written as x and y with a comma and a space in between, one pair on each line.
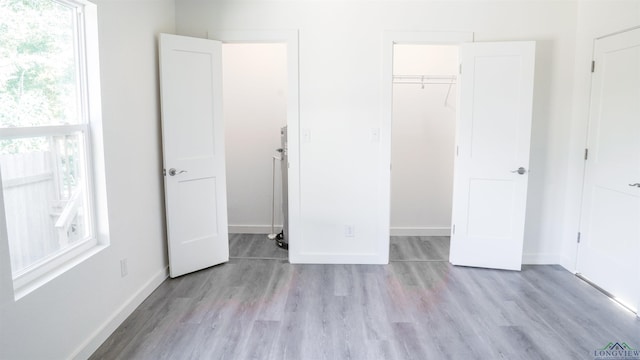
32, 205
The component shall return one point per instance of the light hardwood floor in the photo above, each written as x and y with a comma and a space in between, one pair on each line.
270, 309
255, 246
402, 248
419, 248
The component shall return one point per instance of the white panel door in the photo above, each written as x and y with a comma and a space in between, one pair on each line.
193, 146
491, 168
609, 249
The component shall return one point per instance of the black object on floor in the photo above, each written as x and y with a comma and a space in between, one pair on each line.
281, 242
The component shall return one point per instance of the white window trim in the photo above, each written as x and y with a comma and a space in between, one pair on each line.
29, 279
42, 131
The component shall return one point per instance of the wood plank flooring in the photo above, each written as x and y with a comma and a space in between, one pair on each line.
252, 246
270, 309
419, 248
402, 248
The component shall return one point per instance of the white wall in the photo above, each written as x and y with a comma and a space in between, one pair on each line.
340, 97
255, 108
71, 315
595, 19
340, 70
423, 141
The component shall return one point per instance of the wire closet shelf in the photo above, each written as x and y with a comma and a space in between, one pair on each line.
425, 79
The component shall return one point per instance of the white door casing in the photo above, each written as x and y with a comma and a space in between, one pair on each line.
493, 137
609, 248
290, 38
391, 38
193, 148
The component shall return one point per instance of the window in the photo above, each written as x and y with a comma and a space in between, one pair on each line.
45, 127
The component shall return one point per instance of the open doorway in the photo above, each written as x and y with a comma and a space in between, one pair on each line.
255, 107
422, 150
493, 128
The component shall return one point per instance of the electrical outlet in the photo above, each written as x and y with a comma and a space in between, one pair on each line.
123, 267
349, 231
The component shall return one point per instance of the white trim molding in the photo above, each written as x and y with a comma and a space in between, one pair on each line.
390, 38
119, 316
291, 39
541, 259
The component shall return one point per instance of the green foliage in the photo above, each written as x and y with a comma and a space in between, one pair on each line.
38, 71
23, 146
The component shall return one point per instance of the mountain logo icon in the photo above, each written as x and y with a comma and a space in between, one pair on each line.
617, 346
616, 351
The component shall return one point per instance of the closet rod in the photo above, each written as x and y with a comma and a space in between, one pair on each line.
451, 82
424, 79
427, 80
425, 76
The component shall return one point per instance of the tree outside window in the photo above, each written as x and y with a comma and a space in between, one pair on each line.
44, 131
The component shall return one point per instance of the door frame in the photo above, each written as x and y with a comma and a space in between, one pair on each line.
291, 39
584, 144
389, 39
583, 174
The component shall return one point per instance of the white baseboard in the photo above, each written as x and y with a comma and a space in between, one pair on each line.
420, 231
541, 259
120, 315
567, 263
253, 229
394, 231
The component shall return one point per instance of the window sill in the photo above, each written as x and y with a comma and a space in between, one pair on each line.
25, 289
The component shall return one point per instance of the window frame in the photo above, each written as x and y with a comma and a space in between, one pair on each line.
89, 110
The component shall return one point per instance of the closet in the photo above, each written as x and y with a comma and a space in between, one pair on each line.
423, 137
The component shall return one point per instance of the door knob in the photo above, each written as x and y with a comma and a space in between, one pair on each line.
636, 185
520, 170
174, 172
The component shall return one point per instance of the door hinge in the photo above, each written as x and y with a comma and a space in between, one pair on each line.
460, 69
586, 154
457, 150
164, 172
593, 66
454, 228
578, 237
